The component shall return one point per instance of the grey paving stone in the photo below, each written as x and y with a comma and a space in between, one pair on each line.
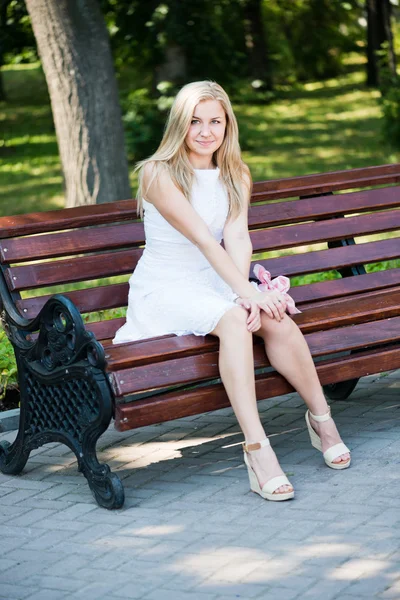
52, 582
328, 590
47, 595
32, 516
165, 594
368, 587
6, 563
392, 592
246, 590
15, 592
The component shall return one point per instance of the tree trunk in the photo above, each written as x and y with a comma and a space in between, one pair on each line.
3, 24
260, 64
74, 48
379, 32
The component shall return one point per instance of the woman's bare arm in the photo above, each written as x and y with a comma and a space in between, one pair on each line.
236, 236
174, 207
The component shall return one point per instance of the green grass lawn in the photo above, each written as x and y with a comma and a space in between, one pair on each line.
321, 126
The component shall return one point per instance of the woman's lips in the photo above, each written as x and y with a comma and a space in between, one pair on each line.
205, 143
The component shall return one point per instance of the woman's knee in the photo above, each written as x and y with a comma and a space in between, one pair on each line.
272, 327
233, 322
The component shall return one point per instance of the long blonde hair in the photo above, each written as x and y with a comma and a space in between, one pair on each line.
172, 152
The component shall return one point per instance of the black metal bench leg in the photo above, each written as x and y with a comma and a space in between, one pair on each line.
340, 390
13, 457
72, 410
65, 396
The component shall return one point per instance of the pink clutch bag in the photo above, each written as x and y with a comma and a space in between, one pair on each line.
281, 284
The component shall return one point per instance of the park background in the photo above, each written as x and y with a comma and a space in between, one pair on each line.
314, 86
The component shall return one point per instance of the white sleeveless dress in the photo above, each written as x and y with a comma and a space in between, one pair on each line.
174, 289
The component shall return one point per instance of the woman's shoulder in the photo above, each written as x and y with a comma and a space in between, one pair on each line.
155, 175
152, 169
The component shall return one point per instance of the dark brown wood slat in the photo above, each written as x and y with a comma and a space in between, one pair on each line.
205, 366
384, 304
140, 413
315, 292
67, 218
116, 295
91, 239
86, 268
104, 330
324, 231
132, 234
326, 260
67, 243
158, 349
307, 306
281, 213
103, 297
83, 268
321, 183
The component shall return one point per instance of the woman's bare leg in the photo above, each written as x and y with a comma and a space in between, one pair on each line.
236, 366
289, 354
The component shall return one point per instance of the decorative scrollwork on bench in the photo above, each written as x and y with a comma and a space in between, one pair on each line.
65, 394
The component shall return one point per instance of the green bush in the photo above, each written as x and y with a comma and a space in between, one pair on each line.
391, 114
390, 102
8, 367
144, 119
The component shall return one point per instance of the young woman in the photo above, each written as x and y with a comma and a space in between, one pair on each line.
194, 192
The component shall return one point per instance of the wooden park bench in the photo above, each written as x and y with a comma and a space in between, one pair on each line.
73, 381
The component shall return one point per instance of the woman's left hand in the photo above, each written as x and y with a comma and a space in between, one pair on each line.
254, 318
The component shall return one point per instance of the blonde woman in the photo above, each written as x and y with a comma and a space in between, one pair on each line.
194, 191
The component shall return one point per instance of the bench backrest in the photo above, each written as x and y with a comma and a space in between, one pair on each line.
48, 252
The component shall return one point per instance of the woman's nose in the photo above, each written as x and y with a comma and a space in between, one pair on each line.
205, 132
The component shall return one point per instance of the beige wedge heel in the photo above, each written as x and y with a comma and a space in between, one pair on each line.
332, 453
268, 489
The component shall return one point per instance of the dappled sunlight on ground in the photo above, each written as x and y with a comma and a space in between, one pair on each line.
190, 527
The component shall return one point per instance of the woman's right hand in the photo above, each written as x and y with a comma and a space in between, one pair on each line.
272, 302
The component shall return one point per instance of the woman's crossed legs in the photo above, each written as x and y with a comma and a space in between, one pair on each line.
289, 354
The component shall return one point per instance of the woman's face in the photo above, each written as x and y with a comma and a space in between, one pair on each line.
207, 130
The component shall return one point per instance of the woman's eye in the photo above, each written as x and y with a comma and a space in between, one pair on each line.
194, 121
216, 122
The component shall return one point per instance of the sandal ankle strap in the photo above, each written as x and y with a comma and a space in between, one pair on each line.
255, 446
321, 418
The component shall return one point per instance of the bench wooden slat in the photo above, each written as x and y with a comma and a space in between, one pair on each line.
67, 243
327, 314
84, 268
86, 300
324, 231
335, 258
321, 207
307, 185
140, 413
205, 366
67, 218
106, 237
383, 304
315, 292
116, 295
105, 330
27, 277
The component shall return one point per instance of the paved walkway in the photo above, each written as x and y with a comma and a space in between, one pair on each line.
190, 528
